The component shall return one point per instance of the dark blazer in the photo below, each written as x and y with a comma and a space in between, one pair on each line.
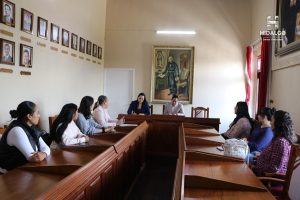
134, 105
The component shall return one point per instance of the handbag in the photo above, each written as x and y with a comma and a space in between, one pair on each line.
236, 148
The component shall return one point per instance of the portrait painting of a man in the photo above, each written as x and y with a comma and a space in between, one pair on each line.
26, 55
65, 38
95, 48
54, 33
88, 48
172, 73
42, 28
27, 21
8, 13
82, 45
74, 41
7, 52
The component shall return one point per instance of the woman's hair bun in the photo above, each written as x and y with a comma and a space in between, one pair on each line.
13, 113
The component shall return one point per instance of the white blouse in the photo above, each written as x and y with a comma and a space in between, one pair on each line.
72, 135
18, 138
174, 110
102, 117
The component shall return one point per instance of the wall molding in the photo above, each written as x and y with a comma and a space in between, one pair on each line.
288, 61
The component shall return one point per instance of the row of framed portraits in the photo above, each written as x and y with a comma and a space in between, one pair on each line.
7, 52
67, 39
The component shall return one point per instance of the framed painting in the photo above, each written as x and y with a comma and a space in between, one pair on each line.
65, 40
288, 12
88, 47
26, 21
54, 37
42, 28
7, 52
8, 13
26, 55
74, 41
82, 45
95, 49
172, 73
100, 53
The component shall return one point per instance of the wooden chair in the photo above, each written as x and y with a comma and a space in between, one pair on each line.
151, 109
196, 112
163, 110
51, 120
281, 191
2, 130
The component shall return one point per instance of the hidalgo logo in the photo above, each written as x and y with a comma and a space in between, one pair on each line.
272, 28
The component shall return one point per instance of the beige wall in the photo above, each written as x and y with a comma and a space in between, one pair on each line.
56, 78
223, 31
285, 69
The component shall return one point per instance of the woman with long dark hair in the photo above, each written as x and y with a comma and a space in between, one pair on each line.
101, 115
139, 106
242, 123
85, 121
64, 130
274, 158
21, 142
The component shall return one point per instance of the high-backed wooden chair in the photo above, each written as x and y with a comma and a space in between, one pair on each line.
151, 109
197, 112
163, 110
51, 120
2, 130
281, 191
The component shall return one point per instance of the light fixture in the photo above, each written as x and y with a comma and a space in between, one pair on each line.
166, 32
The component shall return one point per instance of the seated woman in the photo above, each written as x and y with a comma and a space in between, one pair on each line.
64, 130
85, 121
274, 158
21, 142
241, 125
261, 136
139, 106
101, 115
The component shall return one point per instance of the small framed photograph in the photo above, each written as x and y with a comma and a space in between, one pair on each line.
95, 48
82, 45
26, 21
42, 29
65, 38
54, 33
7, 51
26, 55
88, 47
8, 13
100, 53
74, 41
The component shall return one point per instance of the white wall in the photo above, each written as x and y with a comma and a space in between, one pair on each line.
223, 32
56, 78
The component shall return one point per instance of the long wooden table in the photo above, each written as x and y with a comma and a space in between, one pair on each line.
109, 165
205, 173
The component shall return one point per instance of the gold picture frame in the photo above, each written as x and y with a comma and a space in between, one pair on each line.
172, 73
